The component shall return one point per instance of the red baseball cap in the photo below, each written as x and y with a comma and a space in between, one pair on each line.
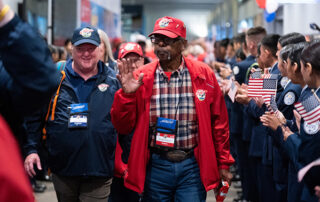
170, 27
129, 47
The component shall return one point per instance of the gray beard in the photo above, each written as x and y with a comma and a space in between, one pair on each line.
169, 54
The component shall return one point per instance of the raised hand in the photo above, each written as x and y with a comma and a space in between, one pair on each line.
129, 83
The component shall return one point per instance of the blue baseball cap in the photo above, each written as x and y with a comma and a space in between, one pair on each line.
85, 35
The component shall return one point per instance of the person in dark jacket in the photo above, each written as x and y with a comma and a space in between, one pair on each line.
81, 139
28, 77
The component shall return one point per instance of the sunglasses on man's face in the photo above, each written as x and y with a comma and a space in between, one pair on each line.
165, 40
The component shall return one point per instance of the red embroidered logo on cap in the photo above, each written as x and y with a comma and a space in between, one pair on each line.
164, 22
129, 46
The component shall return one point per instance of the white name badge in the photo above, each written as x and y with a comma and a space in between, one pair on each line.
165, 140
78, 120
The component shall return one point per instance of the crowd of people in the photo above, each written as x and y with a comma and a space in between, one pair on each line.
122, 121
271, 140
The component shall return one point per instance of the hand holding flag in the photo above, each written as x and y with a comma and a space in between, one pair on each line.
233, 90
309, 109
262, 87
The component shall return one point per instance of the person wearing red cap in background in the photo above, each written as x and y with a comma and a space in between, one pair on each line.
119, 193
132, 51
179, 118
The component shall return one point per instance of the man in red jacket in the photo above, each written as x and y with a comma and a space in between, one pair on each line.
180, 120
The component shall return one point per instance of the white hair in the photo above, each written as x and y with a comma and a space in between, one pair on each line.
105, 39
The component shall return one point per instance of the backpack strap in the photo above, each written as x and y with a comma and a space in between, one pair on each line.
61, 65
254, 65
54, 104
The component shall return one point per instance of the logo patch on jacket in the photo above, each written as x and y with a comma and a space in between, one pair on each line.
289, 98
311, 129
236, 70
103, 87
201, 94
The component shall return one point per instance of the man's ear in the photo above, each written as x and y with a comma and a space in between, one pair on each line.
267, 51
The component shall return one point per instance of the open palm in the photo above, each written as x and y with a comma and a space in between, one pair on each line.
129, 83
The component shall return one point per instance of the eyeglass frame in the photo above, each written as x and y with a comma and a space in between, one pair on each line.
166, 40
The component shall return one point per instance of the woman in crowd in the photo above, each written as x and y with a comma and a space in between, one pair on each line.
106, 52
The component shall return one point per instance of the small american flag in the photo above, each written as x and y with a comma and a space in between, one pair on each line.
256, 75
309, 109
270, 76
233, 90
264, 88
272, 107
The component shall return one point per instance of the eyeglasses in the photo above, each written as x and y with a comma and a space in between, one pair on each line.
165, 40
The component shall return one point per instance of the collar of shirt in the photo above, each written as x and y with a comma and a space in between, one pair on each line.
304, 92
178, 71
70, 71
251, 57
271, 68
304, 88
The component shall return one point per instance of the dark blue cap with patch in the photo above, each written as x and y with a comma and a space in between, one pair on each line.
85, 35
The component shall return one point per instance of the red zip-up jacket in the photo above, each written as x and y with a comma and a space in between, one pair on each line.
132, 111
14, 183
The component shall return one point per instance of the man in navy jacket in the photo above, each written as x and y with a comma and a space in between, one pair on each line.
81, 139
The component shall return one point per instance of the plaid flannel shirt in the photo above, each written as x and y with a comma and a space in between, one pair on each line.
174, 99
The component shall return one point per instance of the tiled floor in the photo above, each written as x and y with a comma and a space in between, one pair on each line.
50, 196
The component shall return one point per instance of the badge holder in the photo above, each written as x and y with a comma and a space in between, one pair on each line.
166, 130
78, 115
